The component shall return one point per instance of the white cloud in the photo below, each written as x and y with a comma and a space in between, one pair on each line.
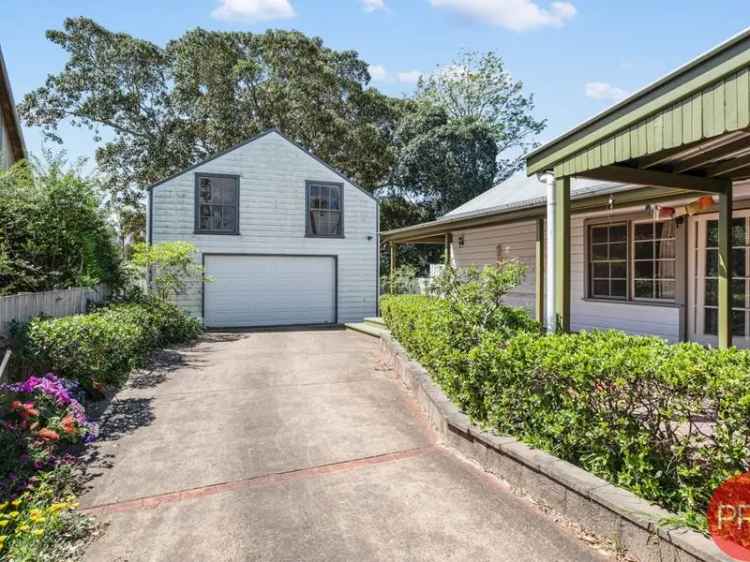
516, 15
254, 10
373, 5
604, 91
409, 77
377, 72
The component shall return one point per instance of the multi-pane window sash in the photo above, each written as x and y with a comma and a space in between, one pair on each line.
324, 210
217, 204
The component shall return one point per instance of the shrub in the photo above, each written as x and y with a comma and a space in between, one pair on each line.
669, 422
402, 282
53, 232
102, 347
167, 267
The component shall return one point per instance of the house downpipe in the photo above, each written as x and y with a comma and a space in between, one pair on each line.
550, 320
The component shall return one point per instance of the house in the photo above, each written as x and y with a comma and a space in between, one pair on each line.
12, 148
638, 219
284, 238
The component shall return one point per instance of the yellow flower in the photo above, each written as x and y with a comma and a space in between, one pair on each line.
22, 528
13, 514
3, 505
4, 523
37, 532
16, 502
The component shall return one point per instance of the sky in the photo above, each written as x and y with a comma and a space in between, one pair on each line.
576, 56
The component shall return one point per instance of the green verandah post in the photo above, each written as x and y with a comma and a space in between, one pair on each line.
562, 253
725, 268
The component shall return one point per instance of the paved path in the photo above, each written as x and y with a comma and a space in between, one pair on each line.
295, 445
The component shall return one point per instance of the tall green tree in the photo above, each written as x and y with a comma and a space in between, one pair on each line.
476, 87
164, 108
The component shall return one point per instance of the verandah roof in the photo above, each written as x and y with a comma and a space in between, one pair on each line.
693, 123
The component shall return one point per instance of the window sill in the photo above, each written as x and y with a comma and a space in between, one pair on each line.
338, 237
634, 302
206, 233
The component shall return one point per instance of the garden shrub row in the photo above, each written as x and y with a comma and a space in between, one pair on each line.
102, 347
669, 422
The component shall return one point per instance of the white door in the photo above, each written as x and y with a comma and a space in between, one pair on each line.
250, 291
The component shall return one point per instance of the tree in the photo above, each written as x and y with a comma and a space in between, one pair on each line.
477, 88
53, 231
169, 267
167, 108
443, 161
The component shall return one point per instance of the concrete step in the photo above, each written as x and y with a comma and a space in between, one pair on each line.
366, 328
377, 322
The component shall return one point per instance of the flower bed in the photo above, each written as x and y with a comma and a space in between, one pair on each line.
42, 424
669, 422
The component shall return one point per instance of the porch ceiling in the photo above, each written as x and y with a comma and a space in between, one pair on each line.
691, 129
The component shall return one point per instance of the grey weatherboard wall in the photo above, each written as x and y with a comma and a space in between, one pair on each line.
273, 172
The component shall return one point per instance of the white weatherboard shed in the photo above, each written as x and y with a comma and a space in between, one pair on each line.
284, 238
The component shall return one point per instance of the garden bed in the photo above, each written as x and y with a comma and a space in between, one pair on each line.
45, 421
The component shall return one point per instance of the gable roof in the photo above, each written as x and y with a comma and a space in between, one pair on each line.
10, 117
253, 139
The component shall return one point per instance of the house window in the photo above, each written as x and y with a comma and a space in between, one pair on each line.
654, 260
608, 261
739, 280
325, 209
217, 204
632, 260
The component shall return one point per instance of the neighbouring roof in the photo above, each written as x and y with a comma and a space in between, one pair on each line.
518, 192
9, 115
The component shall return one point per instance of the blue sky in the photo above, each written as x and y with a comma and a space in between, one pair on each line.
576, 56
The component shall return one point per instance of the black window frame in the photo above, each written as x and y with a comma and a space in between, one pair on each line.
591, 261
197, 228
308, 226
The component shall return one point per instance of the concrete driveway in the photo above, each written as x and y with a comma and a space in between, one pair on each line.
295, 445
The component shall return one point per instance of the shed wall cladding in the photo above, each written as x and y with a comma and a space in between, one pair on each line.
272, 218
516, 240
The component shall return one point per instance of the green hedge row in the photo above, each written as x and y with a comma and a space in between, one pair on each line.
669, 422
104, 346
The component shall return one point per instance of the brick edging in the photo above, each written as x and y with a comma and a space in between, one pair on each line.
594, 504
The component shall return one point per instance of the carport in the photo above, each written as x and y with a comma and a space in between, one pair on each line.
687, 131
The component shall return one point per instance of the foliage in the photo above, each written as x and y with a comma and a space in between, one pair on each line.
53, 232
442, 162
403, 280
101, 348
477, 88
669, 422
40, 419
169, 107
170, 266
42, 524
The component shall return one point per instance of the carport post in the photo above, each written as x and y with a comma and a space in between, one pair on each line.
448, 240
725, 267
393, 257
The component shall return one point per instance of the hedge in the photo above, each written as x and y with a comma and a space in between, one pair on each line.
669, 422
102, 347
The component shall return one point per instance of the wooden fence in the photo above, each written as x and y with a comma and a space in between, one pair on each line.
60, 302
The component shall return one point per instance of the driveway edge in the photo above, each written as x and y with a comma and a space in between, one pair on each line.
594, 504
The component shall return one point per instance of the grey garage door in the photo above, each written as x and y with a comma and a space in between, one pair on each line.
252, 291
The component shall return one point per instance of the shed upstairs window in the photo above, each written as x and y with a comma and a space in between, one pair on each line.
217, 204
325, 209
